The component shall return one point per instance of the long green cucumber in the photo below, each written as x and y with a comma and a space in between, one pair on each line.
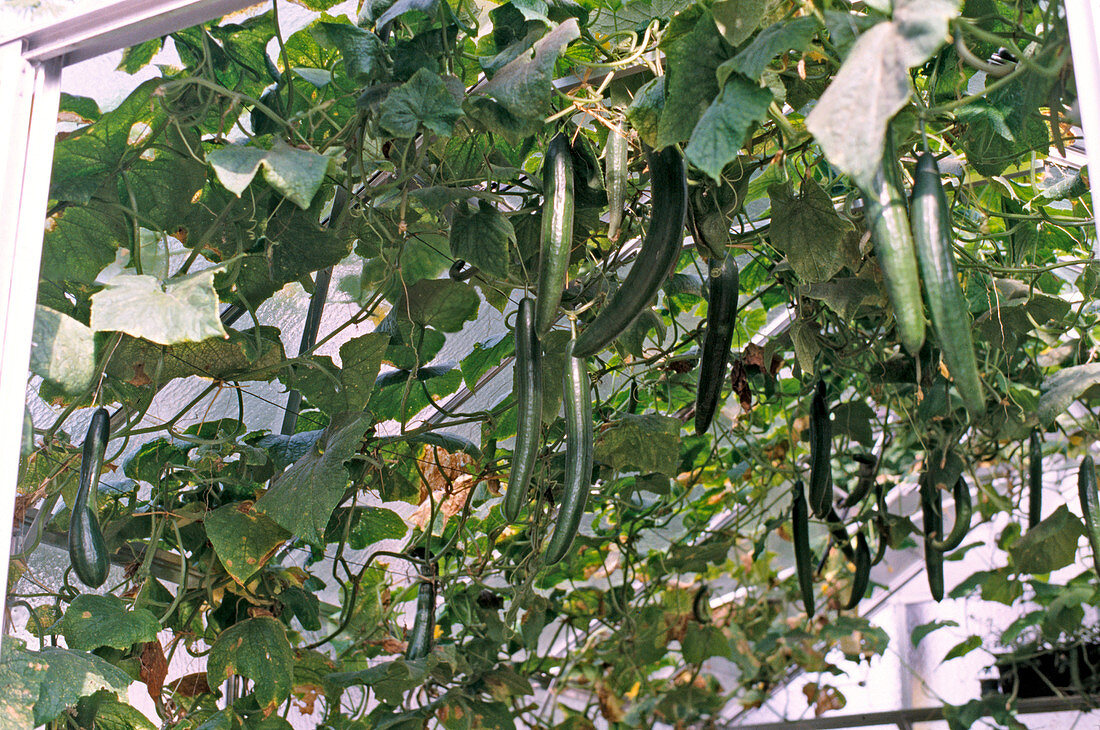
821, 449
1035, 479
527, 385
964, 511
803, 558
578, 457
615, 171
932, 508
888, 222
1090, 506
950, 315
87, 549
656, 259
423, 628
862, 577
721, 318
557, 231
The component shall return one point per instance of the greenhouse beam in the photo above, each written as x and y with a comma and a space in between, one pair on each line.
905, 718
1083, 20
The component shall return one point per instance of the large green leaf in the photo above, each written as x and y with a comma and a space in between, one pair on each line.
92, 621
50, 681
422, 100
808, 230
80, 241
789, 35
646, 443
303, 497
295, 173
351, 388
481, 237
872, 85
243, 538
1064, 387
373, 525
246, 355
694, 49
721, 131
62, 350
363, 52
184, 309
1050, 545
256, 648
441, 304
737, 19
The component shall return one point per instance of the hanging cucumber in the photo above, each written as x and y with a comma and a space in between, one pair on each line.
87, 550
615, 171
861, 580
932, 508
721, 317
964, 510
803, 558
656, 260
527, 385
1035, 479
888, 222
821, 449
865, 480
578, 458
700, 605
423, 628
557, 231
950, 315
1090, 506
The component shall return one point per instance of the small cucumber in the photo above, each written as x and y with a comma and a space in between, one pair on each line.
423, 629
527, 385
615, 172
861, 580
803, 558
821, 449
87, 549
1035, 479
964, 511
932, 508
721, 318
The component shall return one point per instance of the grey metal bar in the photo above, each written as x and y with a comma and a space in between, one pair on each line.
907, 716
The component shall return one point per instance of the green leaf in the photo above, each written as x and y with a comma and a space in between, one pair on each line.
304, 605
351, 389
808, 230
481, 237
80, 109
422, 100
646, 443
1064, 387
399, 8
964, 647
924, 630
847, 295
789, 35
442, 304
644, 112
375, 524
62, 350
363, 52
93, 620
256, 648
51, 680
138, 57
303, 498
184, 309
295, 173
854, 418
80, 241
485, 356
702, 642
514, 102
693, 51
722, 129
849, 121
243, 539
1050, 545
247, 355
737, 19
111, 714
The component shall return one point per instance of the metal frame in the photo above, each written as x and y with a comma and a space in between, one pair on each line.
1083, 18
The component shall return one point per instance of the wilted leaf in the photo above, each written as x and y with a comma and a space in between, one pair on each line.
646, 443
243, 539
256, 648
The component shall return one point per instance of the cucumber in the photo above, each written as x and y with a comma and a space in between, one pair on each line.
1035, 479
615, 172
861, 580
721, 317
578, 457
865, 479
656, 260
964, 511
557, 231
423, 628
527, 385
950, 315
803, 558
821, 449
87, 549
932, 508
700, 605
1090, 506
888, 222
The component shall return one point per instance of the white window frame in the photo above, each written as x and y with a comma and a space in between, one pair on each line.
31, 63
